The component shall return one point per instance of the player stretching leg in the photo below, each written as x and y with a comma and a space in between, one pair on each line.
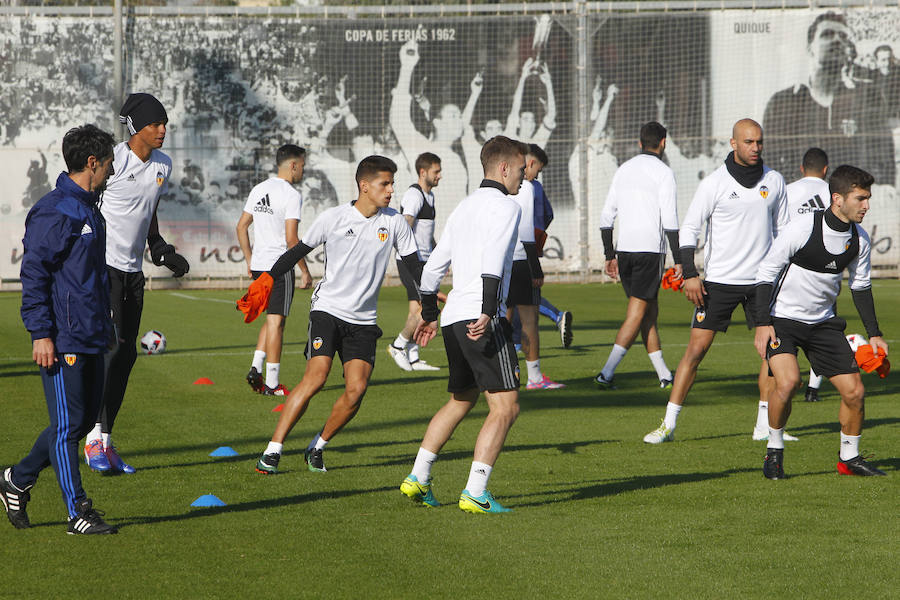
478, 242
805, 265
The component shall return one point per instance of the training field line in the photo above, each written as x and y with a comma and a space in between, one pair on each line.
189, 297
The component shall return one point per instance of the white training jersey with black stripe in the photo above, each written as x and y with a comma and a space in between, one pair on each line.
128, 203
741, 224
412, 204
271, 203
807, 195
804, 295
642, 195
479, 238
525, 200
357, 252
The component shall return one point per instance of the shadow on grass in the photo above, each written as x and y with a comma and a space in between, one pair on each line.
28, 373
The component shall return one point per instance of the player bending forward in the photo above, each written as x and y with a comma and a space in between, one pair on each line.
358, 239
805, 265
478, 242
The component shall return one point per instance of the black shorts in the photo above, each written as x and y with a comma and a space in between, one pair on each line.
282, 293
408, 281
521, 286
719, 303
327, 334
490, 363
824, 345
641, 273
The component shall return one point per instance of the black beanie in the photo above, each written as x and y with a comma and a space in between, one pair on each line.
140, 110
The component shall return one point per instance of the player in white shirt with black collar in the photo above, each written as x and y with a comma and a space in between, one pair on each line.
743, 202
417, 207
808, 195
477, 242
129, 206
273, 207
643, 197
800, 279
359, 239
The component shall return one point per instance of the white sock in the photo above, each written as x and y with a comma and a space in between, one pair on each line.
412, 351
662, 371
272, 374
274, 448
615, 357
814, 380
320, 443
422, 466
849, 446
762, 416
478, 478
672, 411
93, 435
259, 358
776, 439
534, 371
400, 342
107, 440
314, 441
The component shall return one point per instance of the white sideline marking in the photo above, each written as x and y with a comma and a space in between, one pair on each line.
188, 297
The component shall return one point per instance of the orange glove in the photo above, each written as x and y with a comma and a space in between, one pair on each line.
256, 299
868, 361
670, 282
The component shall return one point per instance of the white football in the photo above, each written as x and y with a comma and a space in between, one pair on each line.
855, 340
153, 342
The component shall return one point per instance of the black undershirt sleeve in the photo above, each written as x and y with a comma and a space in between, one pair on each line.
608, 249
490, 294
287, 260
672, 236
430, 309
764, 303
688, 268
533, 261
865, 306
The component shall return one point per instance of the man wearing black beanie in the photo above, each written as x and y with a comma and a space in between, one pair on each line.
129, 206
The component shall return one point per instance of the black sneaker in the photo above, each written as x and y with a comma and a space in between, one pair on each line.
603, 383
255, 380
268, 464
14, 500
565, 329
857, 466
812, 394
314, 460
773, 468
88, 521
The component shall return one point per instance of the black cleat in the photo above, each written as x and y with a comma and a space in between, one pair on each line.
88, 521
268, 464
773, 468
857, 466
255, 380
14, 500
565, 329
314, 460
812, 394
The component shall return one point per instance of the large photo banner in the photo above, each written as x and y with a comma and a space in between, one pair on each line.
237, 87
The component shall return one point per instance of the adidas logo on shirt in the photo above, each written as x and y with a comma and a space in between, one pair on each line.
734, 196
264, 206
831, 265
131, 177
812, 205
86, 229
350, 233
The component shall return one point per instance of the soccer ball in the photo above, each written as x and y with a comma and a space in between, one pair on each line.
855, 340
153, 342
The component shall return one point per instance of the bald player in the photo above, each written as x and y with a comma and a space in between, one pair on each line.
743, 205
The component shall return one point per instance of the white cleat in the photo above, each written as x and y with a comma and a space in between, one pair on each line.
421, 365
399, 357
660, 434
762, 435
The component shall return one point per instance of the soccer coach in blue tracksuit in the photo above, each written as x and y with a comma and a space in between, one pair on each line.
65, 307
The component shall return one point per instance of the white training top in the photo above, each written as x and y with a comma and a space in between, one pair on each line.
271, 203
357, 252
742, 224
804, 295
807, 195
479, 238
129, 202
643, 196
420, 206
525, 200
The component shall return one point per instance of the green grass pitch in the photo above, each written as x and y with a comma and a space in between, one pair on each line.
597, 513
